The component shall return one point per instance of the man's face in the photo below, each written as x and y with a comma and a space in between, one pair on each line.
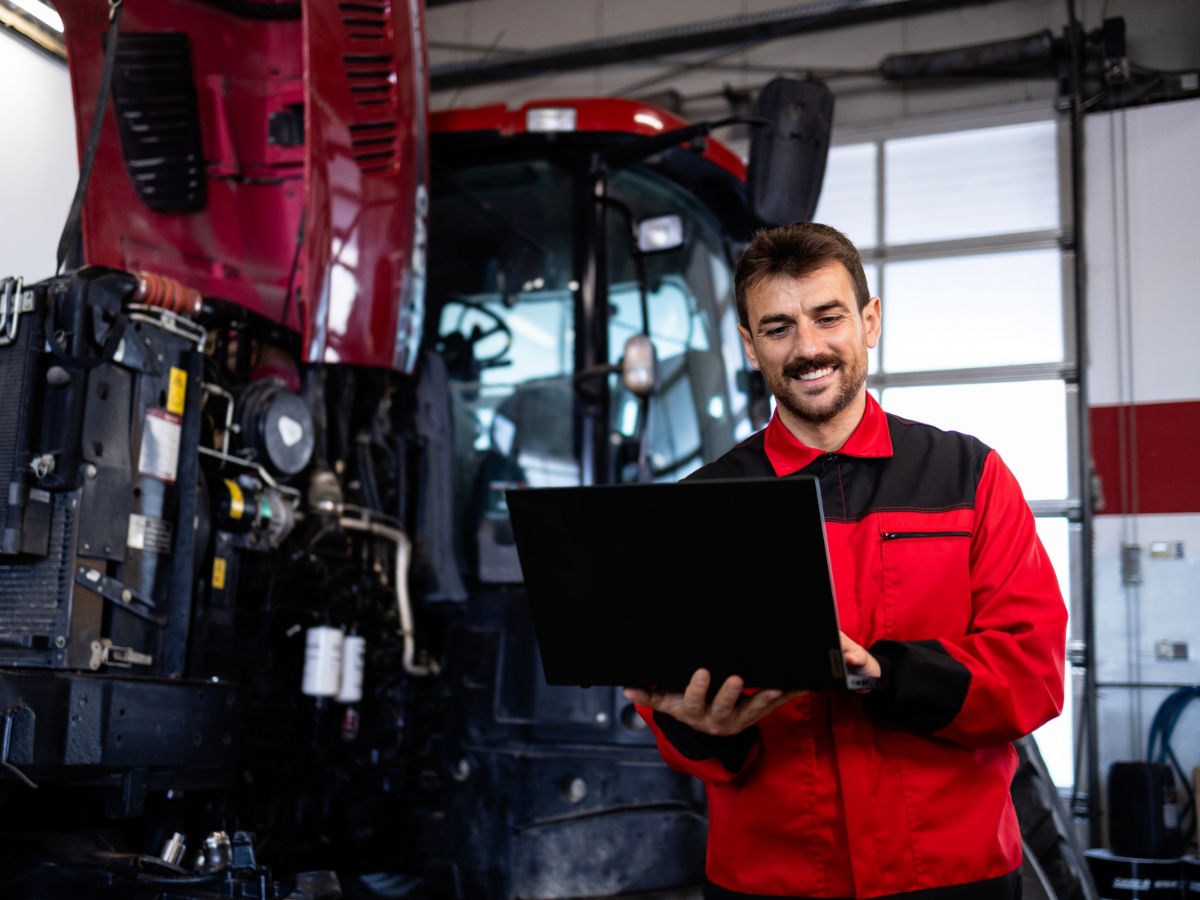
810, 341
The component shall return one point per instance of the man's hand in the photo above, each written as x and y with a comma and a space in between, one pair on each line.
730, 712
857, 659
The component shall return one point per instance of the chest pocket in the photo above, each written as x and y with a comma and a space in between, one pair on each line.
926, 583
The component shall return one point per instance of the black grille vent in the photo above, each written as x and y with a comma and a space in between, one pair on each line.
372, 80
365, 19
374, 146
154, 95
34, 595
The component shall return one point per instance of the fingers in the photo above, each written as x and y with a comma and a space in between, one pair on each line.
850, 650
727, 697
730, 711
858, 657
695, 695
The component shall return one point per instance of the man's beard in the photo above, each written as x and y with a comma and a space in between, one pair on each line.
851, 377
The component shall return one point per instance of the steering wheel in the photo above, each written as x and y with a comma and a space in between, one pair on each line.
460, 344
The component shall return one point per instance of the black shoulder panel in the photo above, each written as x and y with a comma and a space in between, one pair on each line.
747, 460
930, 470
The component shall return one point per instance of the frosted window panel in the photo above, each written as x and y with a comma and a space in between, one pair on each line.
848, 193
995, 309
1055, 739
971, 183
1024, 421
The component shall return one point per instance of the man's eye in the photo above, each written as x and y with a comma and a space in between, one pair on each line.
828, 320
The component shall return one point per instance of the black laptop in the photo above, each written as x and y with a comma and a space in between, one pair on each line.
642, 584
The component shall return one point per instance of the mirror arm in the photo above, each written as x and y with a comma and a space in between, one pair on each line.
636, 151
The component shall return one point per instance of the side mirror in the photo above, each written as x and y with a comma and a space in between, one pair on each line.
639, 366
788, 151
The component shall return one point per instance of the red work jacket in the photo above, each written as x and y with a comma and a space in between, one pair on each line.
939, 571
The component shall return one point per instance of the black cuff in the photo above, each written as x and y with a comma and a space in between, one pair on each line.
921, 686
731, 749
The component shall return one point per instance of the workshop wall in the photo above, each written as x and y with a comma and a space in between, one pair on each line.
1142, 194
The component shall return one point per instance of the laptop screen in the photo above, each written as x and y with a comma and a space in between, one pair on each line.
642, 584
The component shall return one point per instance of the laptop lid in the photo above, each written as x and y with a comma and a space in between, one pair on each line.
641, 584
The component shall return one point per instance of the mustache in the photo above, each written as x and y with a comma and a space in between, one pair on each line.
797, 367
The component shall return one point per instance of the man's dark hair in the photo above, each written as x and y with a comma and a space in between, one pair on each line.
796, 250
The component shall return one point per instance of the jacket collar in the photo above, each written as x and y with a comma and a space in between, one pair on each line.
870, 439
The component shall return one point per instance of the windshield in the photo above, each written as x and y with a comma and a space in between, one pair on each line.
505, 272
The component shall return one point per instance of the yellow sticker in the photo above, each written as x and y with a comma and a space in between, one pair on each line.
237, 503
177, 391
218, 579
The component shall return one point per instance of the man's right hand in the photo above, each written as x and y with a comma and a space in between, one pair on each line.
730, 712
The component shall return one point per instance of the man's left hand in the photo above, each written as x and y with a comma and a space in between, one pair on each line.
857, 658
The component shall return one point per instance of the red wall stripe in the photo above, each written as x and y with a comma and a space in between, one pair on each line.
1147, 456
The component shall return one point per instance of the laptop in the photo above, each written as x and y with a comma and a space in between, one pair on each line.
642, 584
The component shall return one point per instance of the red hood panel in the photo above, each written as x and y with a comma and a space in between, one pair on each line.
359, 299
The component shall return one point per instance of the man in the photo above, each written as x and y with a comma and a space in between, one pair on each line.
938, 571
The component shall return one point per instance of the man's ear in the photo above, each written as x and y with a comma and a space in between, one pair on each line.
872, 319
748, 346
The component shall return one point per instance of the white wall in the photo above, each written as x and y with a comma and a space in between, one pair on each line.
1143, 192
38, 160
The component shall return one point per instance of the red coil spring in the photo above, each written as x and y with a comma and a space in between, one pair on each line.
159, 290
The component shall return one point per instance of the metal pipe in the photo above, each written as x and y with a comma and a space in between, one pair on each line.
1090, 704
403, 603
1033, 53
641, 46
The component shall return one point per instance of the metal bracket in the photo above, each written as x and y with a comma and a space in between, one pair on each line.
14, 300
170, 322
118, 594
105, 654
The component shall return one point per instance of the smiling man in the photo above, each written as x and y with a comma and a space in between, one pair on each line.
944, 592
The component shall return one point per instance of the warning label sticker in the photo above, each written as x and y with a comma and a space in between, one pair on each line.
159, 457
149, 533
177, 391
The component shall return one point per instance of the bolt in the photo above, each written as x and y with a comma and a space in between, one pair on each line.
60, 642
127, 596
601, 719
462, 770
91, 471
576, 790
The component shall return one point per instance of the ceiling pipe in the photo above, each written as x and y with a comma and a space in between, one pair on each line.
643, 45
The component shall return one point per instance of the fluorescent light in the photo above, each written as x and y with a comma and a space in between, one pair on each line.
550, 118
40, 11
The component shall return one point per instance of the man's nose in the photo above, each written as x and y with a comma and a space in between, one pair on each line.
807, 342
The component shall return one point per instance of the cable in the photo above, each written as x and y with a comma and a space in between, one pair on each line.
1162, 727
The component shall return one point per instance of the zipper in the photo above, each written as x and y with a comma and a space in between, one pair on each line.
902, 535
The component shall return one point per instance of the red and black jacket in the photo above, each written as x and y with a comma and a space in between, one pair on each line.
938, 570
